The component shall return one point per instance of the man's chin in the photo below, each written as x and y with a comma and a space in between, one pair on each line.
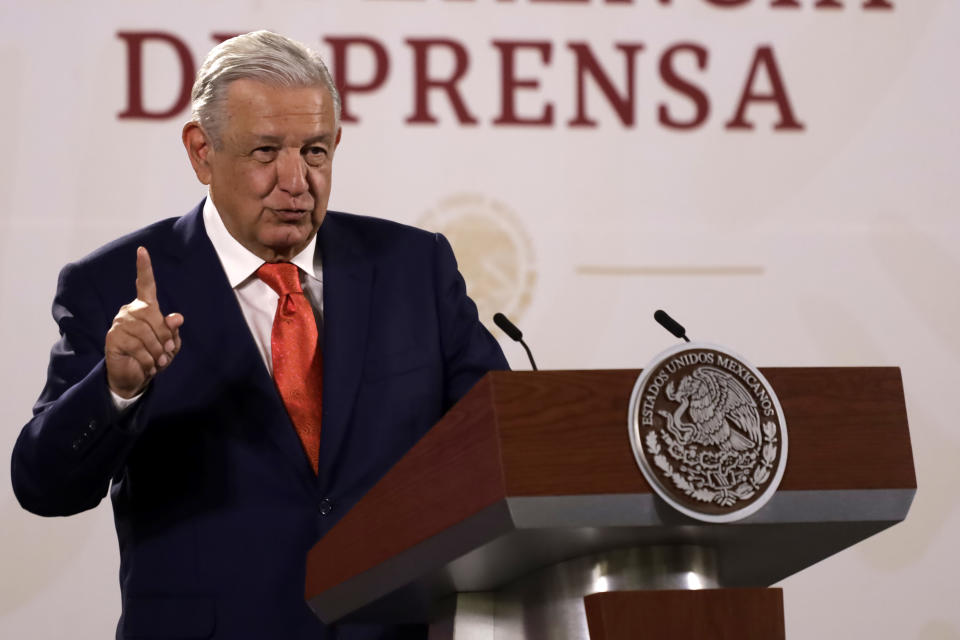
285, 244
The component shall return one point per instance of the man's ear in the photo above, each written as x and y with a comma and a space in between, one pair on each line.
199, 147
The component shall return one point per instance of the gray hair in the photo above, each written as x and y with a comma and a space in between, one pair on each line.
260, 55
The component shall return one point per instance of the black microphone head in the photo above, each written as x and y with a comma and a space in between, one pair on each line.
507, 327
669, 323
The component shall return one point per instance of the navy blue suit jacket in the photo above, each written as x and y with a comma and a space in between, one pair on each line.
214, 500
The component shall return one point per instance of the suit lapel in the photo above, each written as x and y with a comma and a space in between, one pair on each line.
347, 281
217, 334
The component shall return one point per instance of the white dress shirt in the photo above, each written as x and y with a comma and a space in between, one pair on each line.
258, 301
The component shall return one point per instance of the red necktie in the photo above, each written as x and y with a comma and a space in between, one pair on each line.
297, 361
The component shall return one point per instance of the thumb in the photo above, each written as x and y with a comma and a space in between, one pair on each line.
173, 321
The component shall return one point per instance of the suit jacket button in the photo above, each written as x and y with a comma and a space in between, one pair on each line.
325, 507
92, 426
76, 445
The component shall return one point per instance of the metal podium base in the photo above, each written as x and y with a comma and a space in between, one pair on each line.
548, 604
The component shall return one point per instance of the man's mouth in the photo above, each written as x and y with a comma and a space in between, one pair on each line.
291, 215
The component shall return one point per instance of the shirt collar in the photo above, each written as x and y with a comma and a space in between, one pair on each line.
239, 263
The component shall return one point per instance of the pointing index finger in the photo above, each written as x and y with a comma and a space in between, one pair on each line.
146, 286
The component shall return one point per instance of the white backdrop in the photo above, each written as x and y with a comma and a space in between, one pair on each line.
833, 245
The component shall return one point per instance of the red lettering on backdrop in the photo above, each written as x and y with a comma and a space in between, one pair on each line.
674, 81
727, 4
788, 4
509, 83
877, 4
422, 83
135, 41
764, 57
340, 75
587, 63
623, 103
829, 4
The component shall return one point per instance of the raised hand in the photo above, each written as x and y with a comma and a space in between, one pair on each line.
142, 341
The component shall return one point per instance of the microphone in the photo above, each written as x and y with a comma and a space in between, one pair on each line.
514, 334
670, 324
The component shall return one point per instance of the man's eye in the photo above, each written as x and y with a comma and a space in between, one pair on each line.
315, 154
264, 154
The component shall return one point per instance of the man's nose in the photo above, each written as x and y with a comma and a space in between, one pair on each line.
291, 172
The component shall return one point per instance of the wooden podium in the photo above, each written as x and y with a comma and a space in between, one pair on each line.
524, 512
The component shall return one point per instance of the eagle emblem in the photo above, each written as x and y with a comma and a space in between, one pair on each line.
721, 410
708, 432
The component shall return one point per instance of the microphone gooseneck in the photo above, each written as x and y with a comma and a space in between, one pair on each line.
514, 334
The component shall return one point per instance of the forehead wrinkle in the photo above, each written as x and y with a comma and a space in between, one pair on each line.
265, 137
254, 115
245, 110
308, 112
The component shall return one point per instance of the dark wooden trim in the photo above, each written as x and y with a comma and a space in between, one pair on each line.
714, 614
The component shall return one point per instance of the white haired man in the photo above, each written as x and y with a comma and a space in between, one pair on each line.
238, 377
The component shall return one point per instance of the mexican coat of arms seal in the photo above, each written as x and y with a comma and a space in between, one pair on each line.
708, 432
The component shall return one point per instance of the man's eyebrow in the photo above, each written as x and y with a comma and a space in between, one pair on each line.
325, 138
278, 140
263, 137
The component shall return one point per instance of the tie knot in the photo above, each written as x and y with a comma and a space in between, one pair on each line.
282, 277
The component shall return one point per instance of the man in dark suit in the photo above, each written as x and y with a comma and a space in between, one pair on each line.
204, 423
